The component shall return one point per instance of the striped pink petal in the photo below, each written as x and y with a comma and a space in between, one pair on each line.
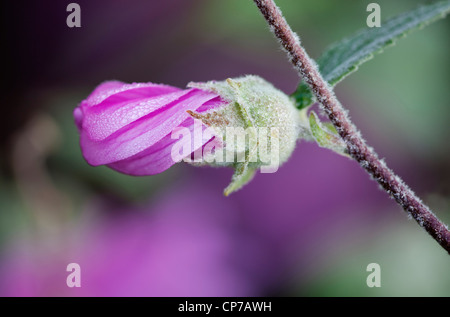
128, 126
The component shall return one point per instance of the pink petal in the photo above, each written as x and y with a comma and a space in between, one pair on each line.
144, 132
108, 117
116, 90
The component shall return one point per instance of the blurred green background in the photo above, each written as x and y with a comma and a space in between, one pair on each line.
399, 100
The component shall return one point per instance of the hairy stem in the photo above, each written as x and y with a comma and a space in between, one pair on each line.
356, 146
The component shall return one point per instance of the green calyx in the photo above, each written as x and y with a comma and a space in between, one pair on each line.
259, 127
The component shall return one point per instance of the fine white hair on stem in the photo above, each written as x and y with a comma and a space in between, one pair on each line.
357, 147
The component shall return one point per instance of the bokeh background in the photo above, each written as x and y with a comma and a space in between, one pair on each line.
310, 229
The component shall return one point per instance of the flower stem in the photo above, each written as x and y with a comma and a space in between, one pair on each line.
356, 146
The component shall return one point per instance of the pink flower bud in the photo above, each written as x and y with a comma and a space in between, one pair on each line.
128, 126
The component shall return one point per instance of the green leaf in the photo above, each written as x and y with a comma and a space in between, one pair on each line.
242, 175
344, 57
325, 136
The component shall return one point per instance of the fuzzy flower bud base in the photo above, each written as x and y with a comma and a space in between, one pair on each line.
263, 119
